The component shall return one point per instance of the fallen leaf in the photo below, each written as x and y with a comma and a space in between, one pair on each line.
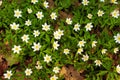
70, 73
63, 71
65, 15
3, 65
51, 3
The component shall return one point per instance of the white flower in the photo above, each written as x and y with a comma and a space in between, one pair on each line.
45, 4
80, 50
8, 74
100, 13
81, 43
66, 51
101, 0
89, 26
34, 1
45, 27
104, 51
114, 1
56, 70
38, 67
0, 2
39, 15
76, 27
14, 26
36, 46
54, 77
89, 16
98, 62
85, 2
53, 15
28, 72
60, 32
117, 38
47, 58
29, 10
116, 50
94, 43
17, 13
28, 22
68, 21
115, 13
57, 34
38, 63
25, 38
118, 69
55, 45
16, 49
36, 33
85, 57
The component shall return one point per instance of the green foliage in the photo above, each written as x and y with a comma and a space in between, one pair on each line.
104, 29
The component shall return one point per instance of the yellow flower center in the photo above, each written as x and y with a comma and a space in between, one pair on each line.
36, 33
98, 62
52, 78
113, 1
17, 13
59, 32
66, 50
55, 45
81, 43
119, 38
118, 69
25, 37
53, 15
28, 72
8, 74
14, 26
17, 48
114, 13
79, 50
36, 46
45, 4
47, 58
39, 15
33, 0
46, 27
85, 2
76, 26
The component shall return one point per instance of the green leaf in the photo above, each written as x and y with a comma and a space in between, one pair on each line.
107, 64
12, 59
65, 3
47, 38
48, 51
101, 73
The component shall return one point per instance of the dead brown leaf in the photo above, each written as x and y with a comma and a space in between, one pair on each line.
76, 3
28, 60
56, 26
51, 3
27, 79
65, 15
70, 73
1, 58
3, 65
